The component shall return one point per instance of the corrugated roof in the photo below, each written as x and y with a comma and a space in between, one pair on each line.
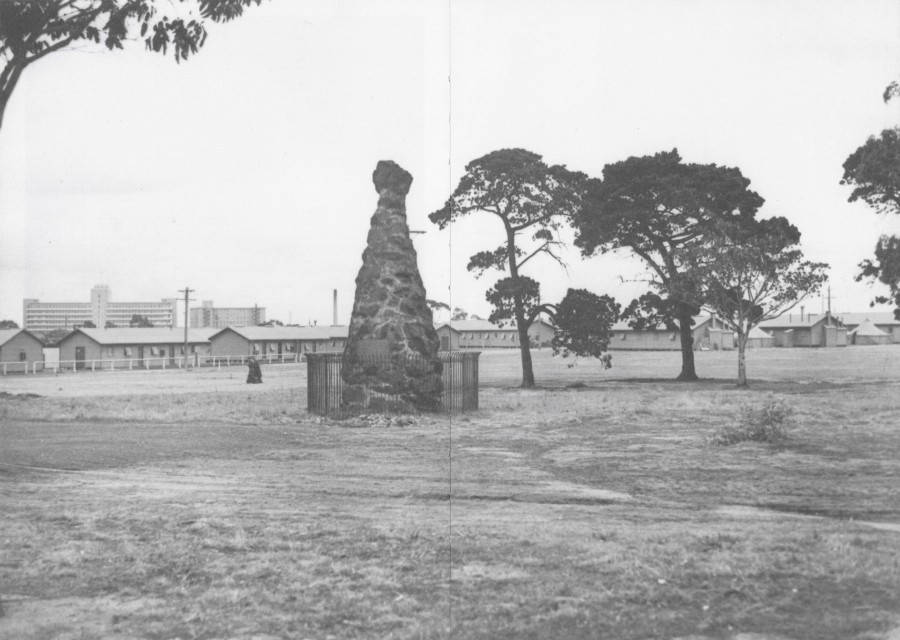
477, 325
289, 333
756, 332
852, 319
482, 325
791, 321
623, 325
868, 328
141, 335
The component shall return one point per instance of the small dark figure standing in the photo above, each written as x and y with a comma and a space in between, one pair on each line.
254, 376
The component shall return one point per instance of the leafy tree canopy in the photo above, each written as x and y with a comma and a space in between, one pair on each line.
8, 324
664, 211
885, 268
110, 324
89, 324
32, 29
436, 305
532, 200
459, 314
51, 338
503, 295
584, 323
873, 170
138, 320
751, 274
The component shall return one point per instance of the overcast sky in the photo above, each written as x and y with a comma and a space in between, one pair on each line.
245, 173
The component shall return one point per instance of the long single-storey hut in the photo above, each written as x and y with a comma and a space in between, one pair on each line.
885, 322
132, 348
277, 343
817, 330
483, 334
20, 351
709, 333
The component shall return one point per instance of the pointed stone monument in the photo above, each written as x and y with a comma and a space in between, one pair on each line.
390, 362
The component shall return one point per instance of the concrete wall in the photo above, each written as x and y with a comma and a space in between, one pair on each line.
13, 350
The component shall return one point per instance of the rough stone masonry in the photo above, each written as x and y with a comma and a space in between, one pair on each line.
390, 362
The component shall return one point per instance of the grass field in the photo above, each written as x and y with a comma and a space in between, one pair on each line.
190, 505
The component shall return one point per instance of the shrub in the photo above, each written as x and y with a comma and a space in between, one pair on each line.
767, 423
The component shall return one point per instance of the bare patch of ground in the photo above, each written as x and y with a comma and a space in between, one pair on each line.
565, 513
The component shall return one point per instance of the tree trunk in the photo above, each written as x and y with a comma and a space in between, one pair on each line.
519, 310
525, 348
688, 372
742, 360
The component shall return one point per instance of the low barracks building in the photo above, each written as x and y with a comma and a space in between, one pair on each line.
129, 348
482, 334
709, 333
274, 342
19, 349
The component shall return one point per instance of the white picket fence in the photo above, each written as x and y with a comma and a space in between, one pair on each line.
140, 364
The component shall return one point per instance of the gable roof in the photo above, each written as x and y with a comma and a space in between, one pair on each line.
758, 333
623, 325
478, 325
255, 334
790, 321
141, 335
8, 334
868, 328
485, 325
882, 318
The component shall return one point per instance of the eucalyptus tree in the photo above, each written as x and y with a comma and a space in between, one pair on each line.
32, 29
664, 211
754, 273
873, 170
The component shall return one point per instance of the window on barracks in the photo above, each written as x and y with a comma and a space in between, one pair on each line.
128, 351
23, 356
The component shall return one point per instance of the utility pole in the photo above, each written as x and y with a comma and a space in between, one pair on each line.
187, 299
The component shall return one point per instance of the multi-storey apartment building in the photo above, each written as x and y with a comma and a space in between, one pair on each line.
47, 316
208, 315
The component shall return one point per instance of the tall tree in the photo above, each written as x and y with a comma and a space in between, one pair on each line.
531, 200
32, 29
663, 210
754, 273
873, 170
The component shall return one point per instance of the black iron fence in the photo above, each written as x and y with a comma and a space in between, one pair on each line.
325, 385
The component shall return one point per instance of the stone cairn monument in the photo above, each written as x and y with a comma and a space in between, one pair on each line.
390, 362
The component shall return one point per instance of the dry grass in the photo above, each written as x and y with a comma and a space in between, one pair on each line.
565, 513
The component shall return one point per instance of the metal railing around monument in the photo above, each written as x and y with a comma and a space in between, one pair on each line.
325, 385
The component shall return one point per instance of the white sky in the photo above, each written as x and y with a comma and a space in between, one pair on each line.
245, 173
